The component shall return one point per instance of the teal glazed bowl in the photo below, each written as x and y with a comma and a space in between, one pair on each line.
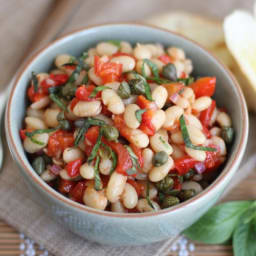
109, 227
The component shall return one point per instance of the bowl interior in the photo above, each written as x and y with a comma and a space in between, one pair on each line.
227, 94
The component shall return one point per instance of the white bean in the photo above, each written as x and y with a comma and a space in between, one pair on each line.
152, 190
35, 113
32, 147
194, 121
154, 49
158, 173
198, 155
177, 152
215, 131
113, 102
96, 79
214, 116
177, 138
176, 53
139, 65
220, 143
172, 114
71, 154
115, 186
42, 103
118, 207
158, 63
129, 196
158, 119
47, 176
87, 171
183, 102
202, 103
61, 60
158, 143
189, 94
132, 99
64, 175
196, 136
147, 155
188, 66
87, 108
34, 123
105, 166
139, 138
160, 95
95, 199
128, 63
104, 118
143, 206
105, 48
130, 116
113, 85
192, 185
50, 117
164, 134
70, 115
125, 47
223, 119
141, 52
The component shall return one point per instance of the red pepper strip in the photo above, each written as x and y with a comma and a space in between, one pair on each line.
83, 92
205, 116
52, 81
204, 86
77, 192
91, 135
122, 54
146, 125
206, 132
138, 187
65, 186
138, 152
144, 103
23, 134
73, 103
184, 164
124, 130
124, 161
73, 167
212, 158
165, 59
35, 96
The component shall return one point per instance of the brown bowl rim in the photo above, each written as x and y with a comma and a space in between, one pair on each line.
56, 195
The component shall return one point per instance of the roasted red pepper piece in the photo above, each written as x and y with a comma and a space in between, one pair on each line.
184, 164
204, 86
138, 152
83, 92
73, 167
91, 135
146, 125
205, 116
138, 187
165, 59
65, 186
77, 191
144, 103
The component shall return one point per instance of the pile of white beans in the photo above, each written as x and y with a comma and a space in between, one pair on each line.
119, 195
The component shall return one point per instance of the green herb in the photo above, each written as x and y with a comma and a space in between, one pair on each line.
35, 81
97, 89
85, 79
58, 101
153, 67
95, 148
71, 62
36, 141
166, 145
138, 114
186, 81
135, 162
39, 131
148, 198
115, 42
159, 80
97, 181
187, 140
80, 133
112, 155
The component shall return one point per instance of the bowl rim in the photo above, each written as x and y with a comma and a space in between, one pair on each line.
83, 208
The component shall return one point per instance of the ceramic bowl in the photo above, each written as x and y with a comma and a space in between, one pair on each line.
115, 228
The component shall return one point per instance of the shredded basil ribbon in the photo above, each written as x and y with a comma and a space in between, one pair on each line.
135, 163
148, 198
186, 81
138, 114
85, 79
166, 145
35, 81
97, 180
98, 89
95, 148
187, 140
58, 101
112, 155
160, 80
115, 42
153, 67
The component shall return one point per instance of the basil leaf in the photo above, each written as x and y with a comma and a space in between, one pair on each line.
35, 141
80, 134
39, 131
115, 42
97, 181
187, 140
85, 79
166, 145
148, 198
186, 81
218, 224
98, 89
244, 238
35, 81
138, 114
153, 67
112, 155
95, 148
58, 101
135, 162
160, 80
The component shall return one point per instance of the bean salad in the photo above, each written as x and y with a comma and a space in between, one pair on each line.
125, 128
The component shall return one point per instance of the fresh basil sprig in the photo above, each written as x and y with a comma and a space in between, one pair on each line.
148, 198
135, 162
98, 89
95, 148
153, 67
112, 155
58, 101
35, 81
236, 220
139, 113
97, 180
187, 140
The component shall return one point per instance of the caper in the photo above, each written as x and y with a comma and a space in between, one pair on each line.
124, 90
47, 159
39, 165
189, 174
137, 86
227, 134
110, 132
79, 123
170, 201
61, 116
186, 194
169, 72
165, 184
68, 90
65, 125
160, 158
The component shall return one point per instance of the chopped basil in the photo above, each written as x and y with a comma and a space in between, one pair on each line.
166, 145
160, 80
98, 89
135, 163
112, 155
80, 134
153, 67
39, 131
186, 81
187, 140
115, 42
85, 79
35, 81
97, 181
138, 114
148, 198
95, 148
58, 101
